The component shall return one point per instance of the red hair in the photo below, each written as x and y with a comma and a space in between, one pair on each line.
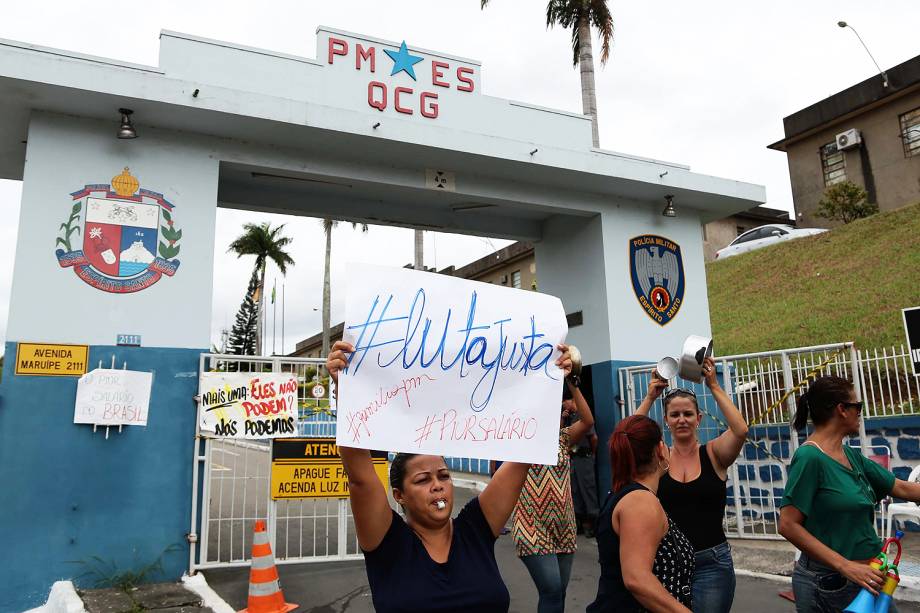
632, 448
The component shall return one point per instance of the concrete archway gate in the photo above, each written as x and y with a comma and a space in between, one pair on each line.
105, 252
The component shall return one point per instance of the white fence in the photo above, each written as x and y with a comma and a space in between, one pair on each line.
889, 386
764, 387
234, 478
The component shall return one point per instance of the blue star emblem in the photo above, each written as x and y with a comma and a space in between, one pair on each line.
403, 60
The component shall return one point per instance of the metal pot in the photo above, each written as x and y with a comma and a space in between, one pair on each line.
696, 349
666, 368
575, 354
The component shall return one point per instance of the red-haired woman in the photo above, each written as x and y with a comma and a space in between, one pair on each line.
646, 561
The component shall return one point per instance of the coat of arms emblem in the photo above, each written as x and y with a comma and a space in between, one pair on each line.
129, 239
657, 270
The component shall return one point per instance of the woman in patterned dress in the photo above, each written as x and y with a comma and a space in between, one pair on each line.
646, 561
544, 517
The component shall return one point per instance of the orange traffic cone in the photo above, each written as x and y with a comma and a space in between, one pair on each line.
264, 588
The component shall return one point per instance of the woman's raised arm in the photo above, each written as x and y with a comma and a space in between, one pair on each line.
727, 446
369, 503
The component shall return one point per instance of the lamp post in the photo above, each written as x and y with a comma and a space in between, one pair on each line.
844, 24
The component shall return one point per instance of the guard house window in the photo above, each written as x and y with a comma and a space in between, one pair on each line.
910, 132
516, 279
833, 162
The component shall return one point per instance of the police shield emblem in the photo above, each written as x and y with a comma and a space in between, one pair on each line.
657, 270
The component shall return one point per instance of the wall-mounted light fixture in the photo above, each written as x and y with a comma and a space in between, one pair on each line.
669, 210
126, 129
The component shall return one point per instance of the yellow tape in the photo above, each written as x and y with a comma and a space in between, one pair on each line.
801, 383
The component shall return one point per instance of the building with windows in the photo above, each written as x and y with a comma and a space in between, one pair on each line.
868, 134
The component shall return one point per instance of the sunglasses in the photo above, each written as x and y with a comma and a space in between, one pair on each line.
854, 405
674, 391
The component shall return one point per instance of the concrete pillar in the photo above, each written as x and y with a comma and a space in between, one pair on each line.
586, 262
74, 494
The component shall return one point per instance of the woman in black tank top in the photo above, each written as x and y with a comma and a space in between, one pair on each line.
646, 561
693, 490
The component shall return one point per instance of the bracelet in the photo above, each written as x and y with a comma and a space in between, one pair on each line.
574, 380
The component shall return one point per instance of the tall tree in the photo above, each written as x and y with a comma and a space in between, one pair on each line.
266, 243
579, 16
245, 328
328, 225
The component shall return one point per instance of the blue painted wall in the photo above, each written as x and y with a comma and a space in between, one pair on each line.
70, 494
605, 382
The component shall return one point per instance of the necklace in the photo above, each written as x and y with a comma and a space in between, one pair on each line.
681, 454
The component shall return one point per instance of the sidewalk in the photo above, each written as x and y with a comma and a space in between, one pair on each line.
342, 586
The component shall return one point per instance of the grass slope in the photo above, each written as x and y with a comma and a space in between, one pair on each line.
848, 284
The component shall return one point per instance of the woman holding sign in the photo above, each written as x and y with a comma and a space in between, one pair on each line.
429, 562
692, 492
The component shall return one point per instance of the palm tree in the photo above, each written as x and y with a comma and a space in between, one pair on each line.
328, 224
580, 15
266, 243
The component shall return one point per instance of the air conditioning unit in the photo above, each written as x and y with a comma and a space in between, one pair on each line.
848, 140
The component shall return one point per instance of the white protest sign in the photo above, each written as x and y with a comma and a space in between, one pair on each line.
247, 405
449, 366
110, 397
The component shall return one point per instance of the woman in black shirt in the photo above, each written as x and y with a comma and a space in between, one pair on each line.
693, 490
428, 562
646, 561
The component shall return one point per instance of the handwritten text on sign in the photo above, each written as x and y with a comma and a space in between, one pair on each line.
112, 397
449, 366
248, 405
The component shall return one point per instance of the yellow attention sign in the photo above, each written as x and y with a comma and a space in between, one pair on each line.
51, 360
312, 468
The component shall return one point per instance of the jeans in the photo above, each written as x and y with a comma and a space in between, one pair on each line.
714, 579
550, 573
821, 589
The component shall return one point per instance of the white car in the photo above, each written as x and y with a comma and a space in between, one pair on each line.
763, 236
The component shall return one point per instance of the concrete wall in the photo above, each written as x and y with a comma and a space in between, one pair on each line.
586, 263
762, 478
50, 303
339, 88
896, 178
73, 493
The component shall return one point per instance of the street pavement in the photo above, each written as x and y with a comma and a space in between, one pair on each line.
238, 484
341, 587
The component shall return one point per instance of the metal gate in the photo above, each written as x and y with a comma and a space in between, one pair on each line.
764, 387
233, 478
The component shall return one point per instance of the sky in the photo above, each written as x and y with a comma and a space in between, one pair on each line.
705, 84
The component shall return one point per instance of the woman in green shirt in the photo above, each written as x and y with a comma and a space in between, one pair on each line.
828, 508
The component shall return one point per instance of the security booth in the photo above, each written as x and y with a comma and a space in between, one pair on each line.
115, 249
